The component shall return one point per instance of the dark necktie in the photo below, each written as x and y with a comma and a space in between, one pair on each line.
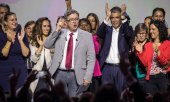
69, 52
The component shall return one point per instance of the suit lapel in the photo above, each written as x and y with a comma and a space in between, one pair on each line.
120, 33
64, 39
79, 37
109, 36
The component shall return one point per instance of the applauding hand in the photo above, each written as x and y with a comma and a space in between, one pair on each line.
10, 36
138, 46
40, 41
21, 36
123, 9
108, 12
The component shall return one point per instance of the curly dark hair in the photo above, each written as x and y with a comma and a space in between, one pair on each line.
38, 30
163, 33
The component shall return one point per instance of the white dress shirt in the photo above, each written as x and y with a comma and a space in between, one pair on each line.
75, 34
113, 56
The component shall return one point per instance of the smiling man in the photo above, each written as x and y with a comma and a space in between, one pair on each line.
116, 46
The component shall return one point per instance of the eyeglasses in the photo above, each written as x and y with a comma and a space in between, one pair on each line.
72, 20
141, 33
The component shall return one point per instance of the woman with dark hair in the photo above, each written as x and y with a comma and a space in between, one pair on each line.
159, 14
84, 24
40, 56
147, 21
94, 21
14, 48
155, 56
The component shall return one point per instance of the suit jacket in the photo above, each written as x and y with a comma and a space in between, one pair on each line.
147, 55
84, 55
124, 38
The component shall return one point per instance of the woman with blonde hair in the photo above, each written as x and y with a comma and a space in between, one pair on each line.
14, 49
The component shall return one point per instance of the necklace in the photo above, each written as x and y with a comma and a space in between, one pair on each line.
155, 46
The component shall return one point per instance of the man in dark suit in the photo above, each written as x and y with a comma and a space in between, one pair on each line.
116, 46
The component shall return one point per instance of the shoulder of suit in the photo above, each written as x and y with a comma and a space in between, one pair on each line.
84, 33
126, 24
63, 30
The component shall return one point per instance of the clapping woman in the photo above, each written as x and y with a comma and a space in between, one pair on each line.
14, 49
155, 56
40, 56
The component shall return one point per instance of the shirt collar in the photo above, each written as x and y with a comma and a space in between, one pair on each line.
116, 30
75, 33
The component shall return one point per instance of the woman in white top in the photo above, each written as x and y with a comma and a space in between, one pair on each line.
40, 56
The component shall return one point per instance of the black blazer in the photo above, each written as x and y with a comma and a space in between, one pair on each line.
124, 40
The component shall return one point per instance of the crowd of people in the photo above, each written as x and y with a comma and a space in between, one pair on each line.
85, 60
